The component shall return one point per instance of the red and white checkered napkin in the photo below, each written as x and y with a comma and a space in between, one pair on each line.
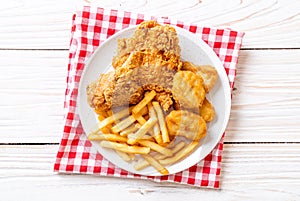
91, 26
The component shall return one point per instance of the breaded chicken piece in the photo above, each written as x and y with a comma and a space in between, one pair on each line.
187, 124
150, 36
188, 89
100, 92
146, 61
207, 111
147, 78
208, 73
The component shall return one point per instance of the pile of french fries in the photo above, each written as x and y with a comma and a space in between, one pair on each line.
141, 130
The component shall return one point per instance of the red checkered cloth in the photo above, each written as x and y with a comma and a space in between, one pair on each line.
91, 26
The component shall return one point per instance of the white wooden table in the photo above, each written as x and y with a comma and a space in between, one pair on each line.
261, 159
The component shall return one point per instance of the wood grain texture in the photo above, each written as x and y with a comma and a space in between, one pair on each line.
265, 107
46, 24
249, 172
32, 94
266, 102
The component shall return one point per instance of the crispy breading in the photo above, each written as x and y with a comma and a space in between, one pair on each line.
99, 93
207, 111
149, 35
145, 78
208, 73
188, 89
187, 124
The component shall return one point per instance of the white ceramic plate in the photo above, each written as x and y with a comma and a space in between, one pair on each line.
192, 49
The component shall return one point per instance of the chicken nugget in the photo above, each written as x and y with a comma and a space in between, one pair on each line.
188, 89
187, 124
207, 111
208, 73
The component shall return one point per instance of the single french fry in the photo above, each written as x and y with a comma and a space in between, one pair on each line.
141, 164
181, 154
123, 124
124, 156
130, 129
112, 119
105, 129
156, 129
156, 147
139, 118
174, 150
125, 148
161, 121
160, 168
144, 111
148, 97
132, 138
109, 137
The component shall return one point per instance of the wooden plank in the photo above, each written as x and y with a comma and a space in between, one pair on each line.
266, 97
32, 94
266, 102
46, 24
247, 174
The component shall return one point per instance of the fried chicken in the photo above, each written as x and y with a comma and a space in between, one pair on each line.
146, 61
99, 92
188, 89
207, 111
187, 124
150, 36
208, 73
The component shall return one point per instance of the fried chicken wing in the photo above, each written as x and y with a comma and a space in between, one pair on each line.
208, 73
188, 89
187, 124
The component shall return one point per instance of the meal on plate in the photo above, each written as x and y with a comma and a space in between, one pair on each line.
152, 108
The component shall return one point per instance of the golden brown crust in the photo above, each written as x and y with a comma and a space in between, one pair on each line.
187, 124
188, 89
208, 73
149, 36
207, 111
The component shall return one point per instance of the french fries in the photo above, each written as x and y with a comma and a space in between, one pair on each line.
123, 124
111, 119
125, 147
156, 147
140, 133
132, 138
156, 129
156, 165
181, 154
141, 164
109, 137
148, 97
130, 129
161, 121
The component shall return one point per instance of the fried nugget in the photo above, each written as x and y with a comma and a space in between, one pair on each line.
208, 73
188, 89
187, 124
207, 111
